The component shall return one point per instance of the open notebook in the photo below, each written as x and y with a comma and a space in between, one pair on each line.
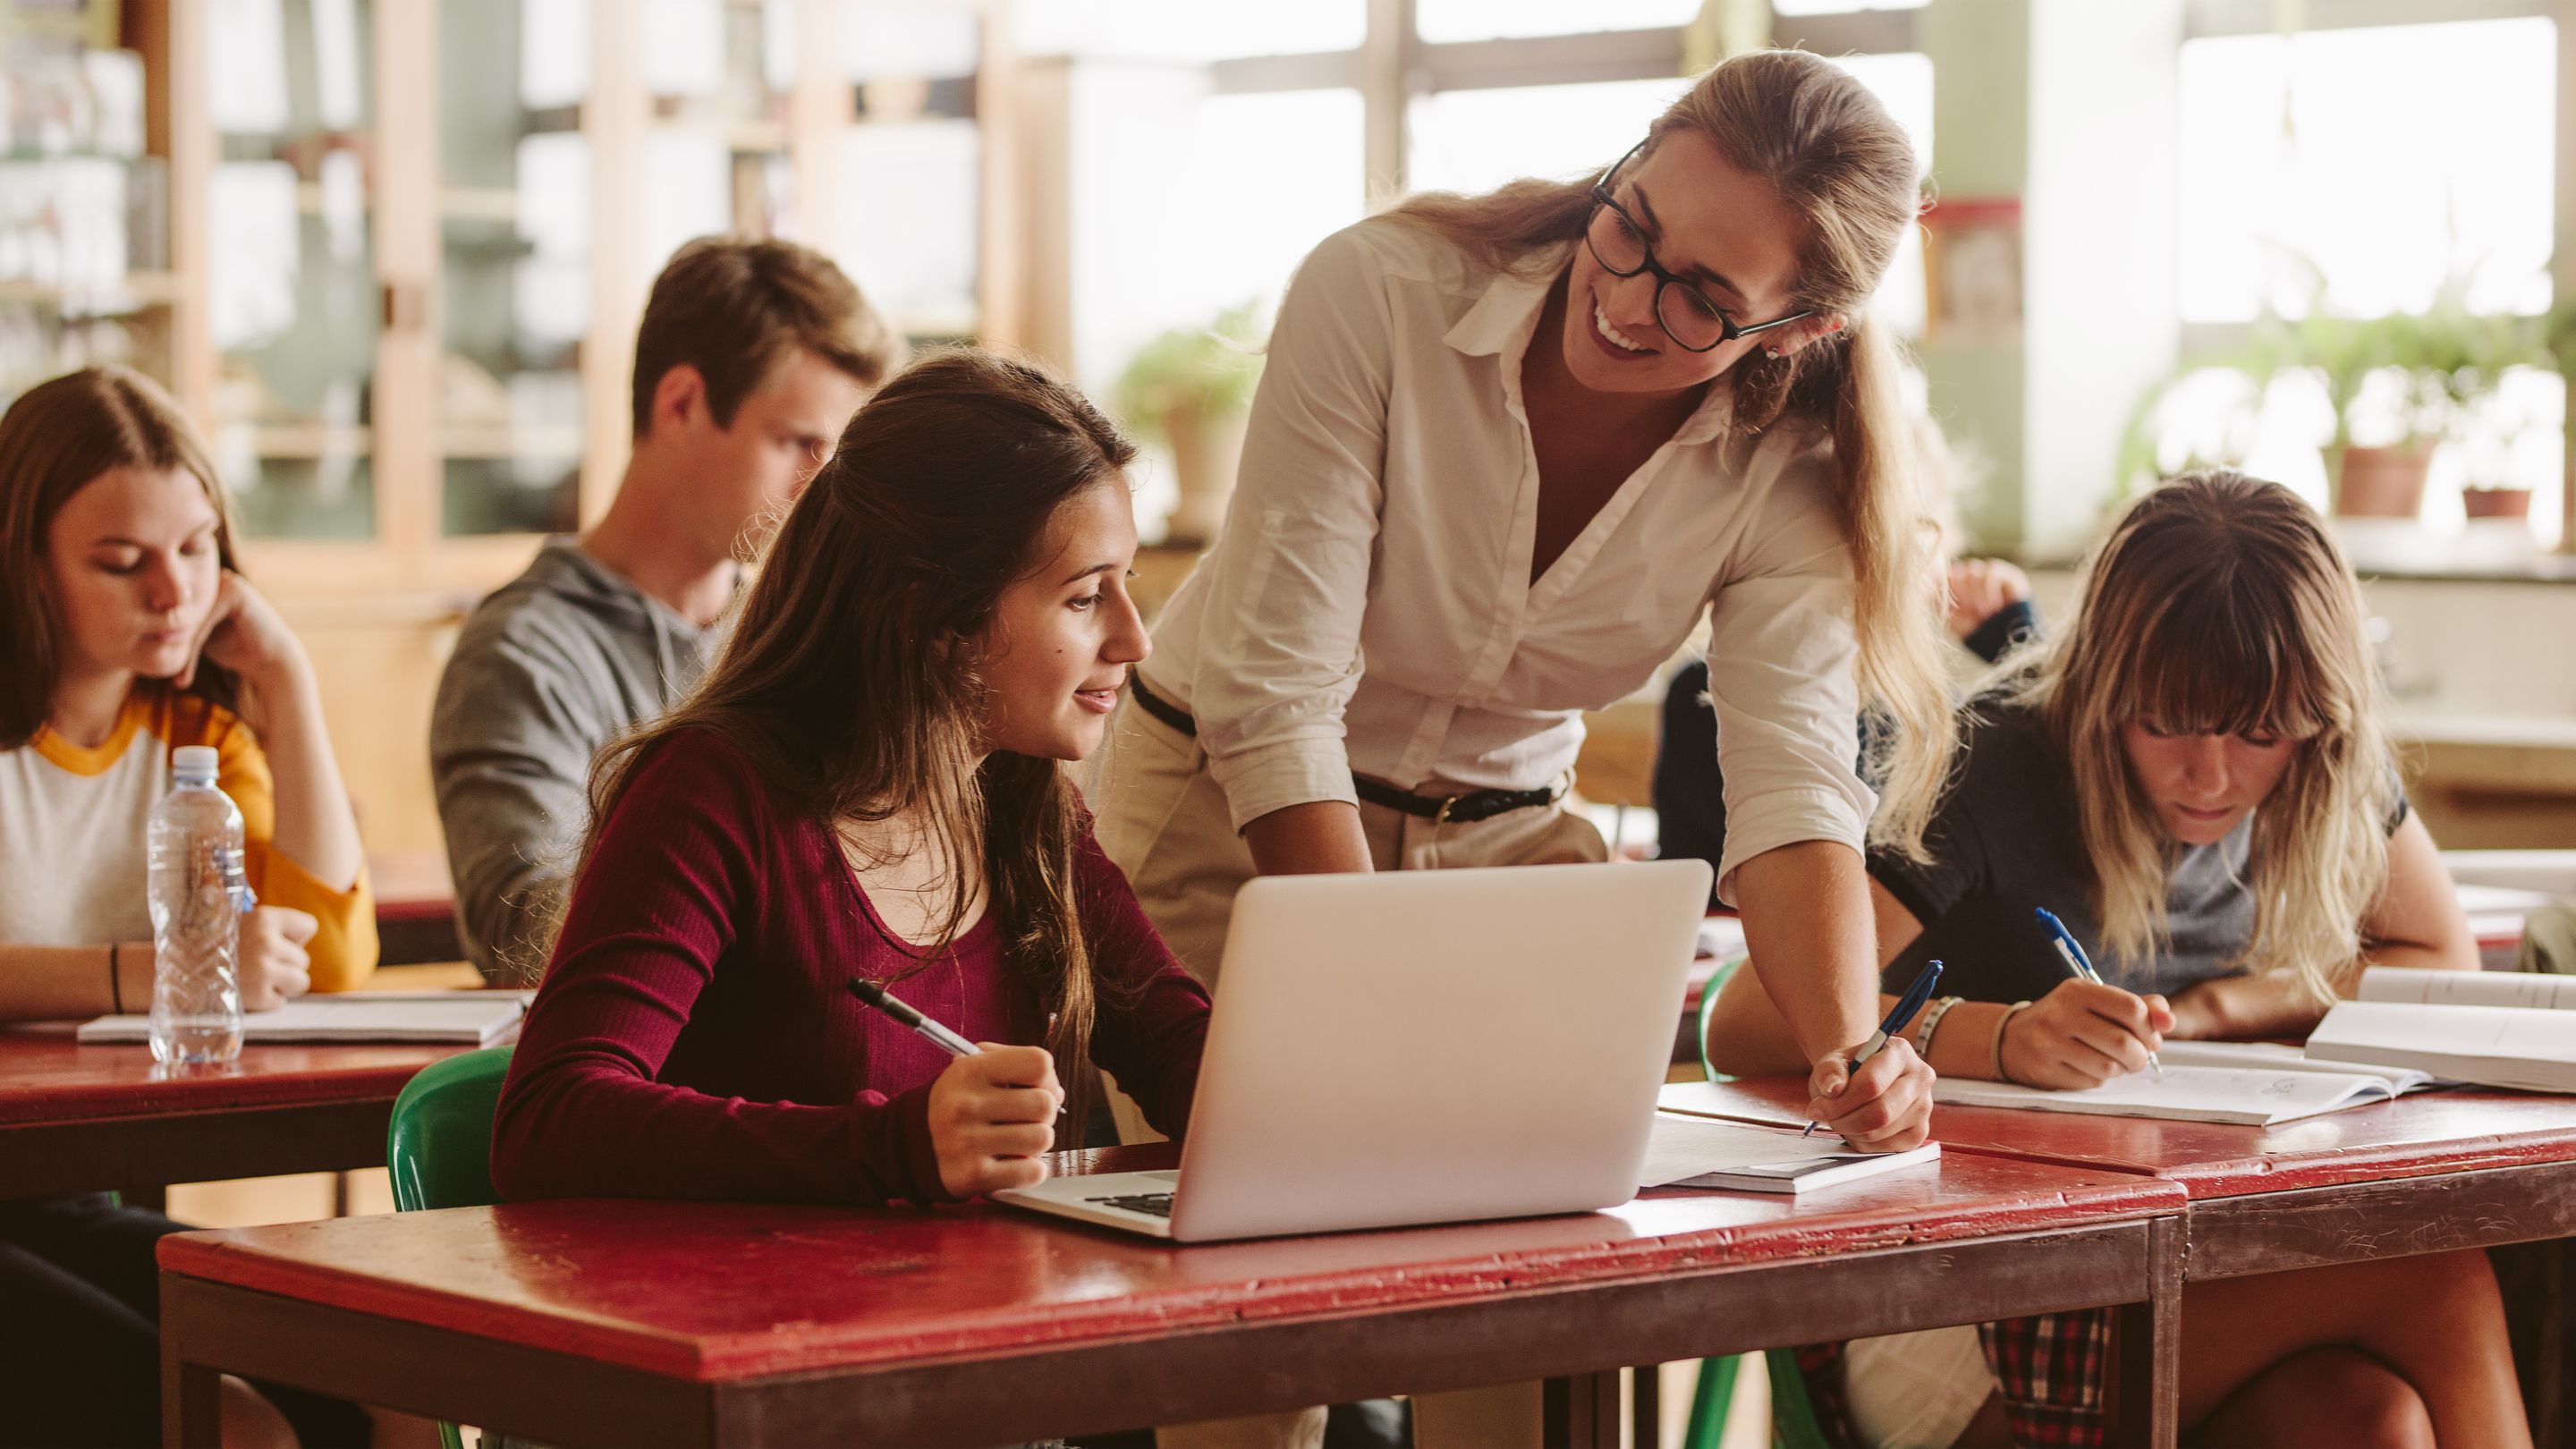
2495, 1028
465, 1018
2253, 1084
1685, 1151
2249, 1096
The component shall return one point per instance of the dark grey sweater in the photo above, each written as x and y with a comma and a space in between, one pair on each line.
551, 667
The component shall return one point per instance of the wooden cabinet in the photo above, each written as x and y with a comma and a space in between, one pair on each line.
410, 241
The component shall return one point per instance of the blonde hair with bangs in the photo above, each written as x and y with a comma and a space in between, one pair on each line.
1824, 143
2220, 604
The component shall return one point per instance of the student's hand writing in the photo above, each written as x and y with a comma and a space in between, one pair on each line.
1884, 1105
991, 1115
2083, 1034
273, 963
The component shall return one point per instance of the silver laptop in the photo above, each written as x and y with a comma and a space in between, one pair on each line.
1421, 1047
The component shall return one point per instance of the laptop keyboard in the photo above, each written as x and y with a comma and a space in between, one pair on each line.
1152, 1204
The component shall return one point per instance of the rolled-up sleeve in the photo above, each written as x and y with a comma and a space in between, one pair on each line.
1280, 655
1782, 658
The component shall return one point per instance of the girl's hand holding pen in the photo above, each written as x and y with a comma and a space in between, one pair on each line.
1882, 1105
992, 1117
2083, 1034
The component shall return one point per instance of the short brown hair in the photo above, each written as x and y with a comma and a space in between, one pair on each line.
54, 441
735, 309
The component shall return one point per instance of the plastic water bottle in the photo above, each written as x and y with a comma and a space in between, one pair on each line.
197, 900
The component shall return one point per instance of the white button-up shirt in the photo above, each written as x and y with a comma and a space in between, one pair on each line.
1368, 605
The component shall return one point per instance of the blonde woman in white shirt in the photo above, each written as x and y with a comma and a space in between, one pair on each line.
1506, 450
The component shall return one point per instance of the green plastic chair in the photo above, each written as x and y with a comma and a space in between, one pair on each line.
1793, 1418
439, 1144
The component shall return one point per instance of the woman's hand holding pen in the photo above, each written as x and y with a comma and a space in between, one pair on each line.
992, 1117
1883, 1105
2083, 1034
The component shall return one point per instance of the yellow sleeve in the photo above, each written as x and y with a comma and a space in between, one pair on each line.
343, 947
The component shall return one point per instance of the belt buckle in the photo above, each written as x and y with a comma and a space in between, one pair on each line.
1440, 817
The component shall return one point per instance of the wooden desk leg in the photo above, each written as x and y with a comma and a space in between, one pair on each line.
2147, 1376
1646, 1406
2537, 1280
192, 1413
1582, 1412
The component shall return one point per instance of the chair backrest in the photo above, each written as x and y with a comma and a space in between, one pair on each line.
1707, 1002
439, 1144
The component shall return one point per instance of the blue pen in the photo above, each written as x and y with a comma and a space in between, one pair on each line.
2072, 951
1912, 1002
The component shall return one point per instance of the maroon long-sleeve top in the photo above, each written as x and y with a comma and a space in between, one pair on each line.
695, 1036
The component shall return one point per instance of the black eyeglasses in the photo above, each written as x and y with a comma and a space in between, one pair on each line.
1695, 324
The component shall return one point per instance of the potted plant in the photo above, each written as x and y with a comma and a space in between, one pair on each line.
2439, 372
1191, 388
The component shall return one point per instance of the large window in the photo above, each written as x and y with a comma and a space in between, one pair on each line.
1233, 138
2384, 161
2373, 171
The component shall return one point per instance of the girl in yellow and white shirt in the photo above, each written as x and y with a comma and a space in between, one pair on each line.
125, 632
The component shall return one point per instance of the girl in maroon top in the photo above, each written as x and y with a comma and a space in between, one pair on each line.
867, 786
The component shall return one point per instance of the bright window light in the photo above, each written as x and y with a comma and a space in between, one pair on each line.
1275, 173
2388, 158
1840, 7
1477, 140
1186, 29
1439, 21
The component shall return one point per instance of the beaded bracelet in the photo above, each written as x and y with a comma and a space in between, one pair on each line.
1995, 1048
1931, 1024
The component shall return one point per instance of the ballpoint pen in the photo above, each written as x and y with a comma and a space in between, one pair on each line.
1906, 1005
2072, 951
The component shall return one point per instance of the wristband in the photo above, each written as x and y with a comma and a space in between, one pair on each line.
115, 985
1996, 1048
1932, 1023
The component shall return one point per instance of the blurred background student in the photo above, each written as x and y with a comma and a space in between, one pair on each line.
751, 358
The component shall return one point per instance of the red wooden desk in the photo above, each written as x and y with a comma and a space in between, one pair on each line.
415, 906
76, 1118
625, 1322
2426, 1173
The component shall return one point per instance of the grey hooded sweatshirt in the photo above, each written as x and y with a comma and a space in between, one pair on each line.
552, 666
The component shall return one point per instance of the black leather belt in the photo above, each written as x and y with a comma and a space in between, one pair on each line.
1464, 809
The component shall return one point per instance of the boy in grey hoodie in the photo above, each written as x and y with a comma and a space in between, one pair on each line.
751, 357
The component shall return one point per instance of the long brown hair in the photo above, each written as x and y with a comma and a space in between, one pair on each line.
55, 440
1822, 141
851, 680
2221, 604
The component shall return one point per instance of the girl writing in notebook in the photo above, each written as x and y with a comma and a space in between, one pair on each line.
867, 787
126, 632
2194, 776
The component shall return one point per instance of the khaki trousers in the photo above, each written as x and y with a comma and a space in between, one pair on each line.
1163, 819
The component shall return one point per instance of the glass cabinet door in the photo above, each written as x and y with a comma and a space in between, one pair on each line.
718, 76
514, 206
293, 299
912, 164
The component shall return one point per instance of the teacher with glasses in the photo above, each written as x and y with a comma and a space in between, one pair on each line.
1507, 450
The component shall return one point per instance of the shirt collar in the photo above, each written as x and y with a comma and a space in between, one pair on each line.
1505, 315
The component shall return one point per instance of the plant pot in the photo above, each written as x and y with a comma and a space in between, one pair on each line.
2382, 482
1205, 450
2513, 503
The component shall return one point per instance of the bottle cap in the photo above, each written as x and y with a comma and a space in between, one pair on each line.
194, 762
